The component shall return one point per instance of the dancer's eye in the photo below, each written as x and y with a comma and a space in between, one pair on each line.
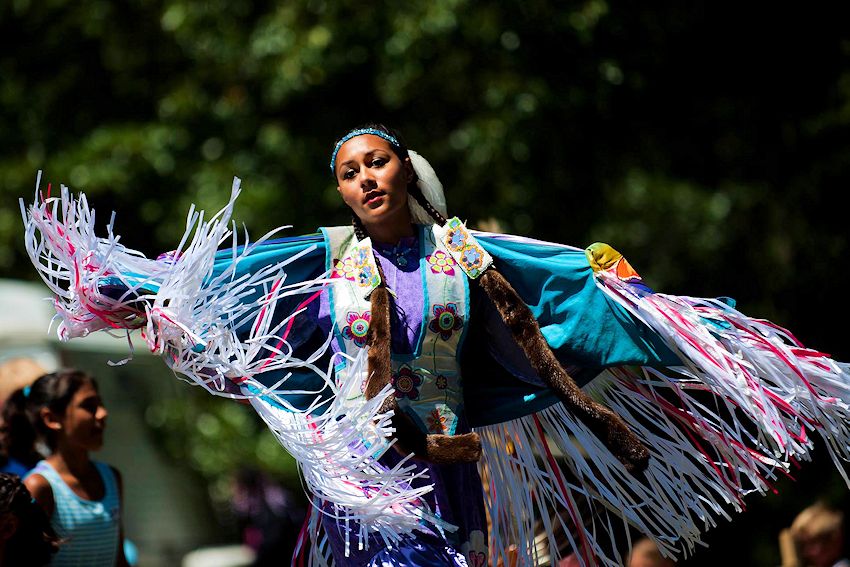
348, 174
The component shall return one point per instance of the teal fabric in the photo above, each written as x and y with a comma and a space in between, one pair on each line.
306, 267
278, 250
584, 328
580, 323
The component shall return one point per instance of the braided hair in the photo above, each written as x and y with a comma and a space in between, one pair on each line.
33, 542
520, 321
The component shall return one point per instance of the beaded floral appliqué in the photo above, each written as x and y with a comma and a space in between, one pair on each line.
344, 269
406, 383
357, 327
446, 320
359, 267
437, 421
463, 248
441, 263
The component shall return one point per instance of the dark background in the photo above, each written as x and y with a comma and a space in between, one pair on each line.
708, 142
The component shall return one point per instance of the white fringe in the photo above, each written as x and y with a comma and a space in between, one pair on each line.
196, 322
721, 426
785, 389
736, 412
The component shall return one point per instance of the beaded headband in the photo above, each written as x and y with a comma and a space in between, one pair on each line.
359, 132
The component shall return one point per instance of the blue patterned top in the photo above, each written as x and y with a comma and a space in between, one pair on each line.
89, 528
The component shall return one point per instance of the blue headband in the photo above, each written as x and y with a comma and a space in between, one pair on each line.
359, 132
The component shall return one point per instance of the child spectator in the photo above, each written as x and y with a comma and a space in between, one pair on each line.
82, 497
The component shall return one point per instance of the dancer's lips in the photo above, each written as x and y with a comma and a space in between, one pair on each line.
373, 197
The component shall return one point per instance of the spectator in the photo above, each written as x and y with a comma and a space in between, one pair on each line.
17, 373
645, 553
17, 436
817, 534
82, 497
26, 537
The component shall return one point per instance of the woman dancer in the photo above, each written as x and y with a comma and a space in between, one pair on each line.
432, 349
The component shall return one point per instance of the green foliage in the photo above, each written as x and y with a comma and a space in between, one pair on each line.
216, 438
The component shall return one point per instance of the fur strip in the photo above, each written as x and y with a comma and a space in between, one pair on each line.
604, 423
436, 448
379, 340
439, 449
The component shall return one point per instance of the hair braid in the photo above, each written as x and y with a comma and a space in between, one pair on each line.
379, 337
604, 423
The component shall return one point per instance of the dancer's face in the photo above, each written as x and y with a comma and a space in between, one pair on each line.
373, 180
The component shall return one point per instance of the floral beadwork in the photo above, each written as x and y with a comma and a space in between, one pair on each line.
461, 245
357, 327
446, 320
437, 421
365, 275
361, 257
441, 382
358, 267
456, 238
472, 258
406, 383
441, 263
344, 269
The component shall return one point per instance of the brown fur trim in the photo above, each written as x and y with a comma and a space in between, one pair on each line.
379, 341
438, 449
451, 449
603, 422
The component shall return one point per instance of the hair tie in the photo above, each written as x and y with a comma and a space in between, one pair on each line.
27, 390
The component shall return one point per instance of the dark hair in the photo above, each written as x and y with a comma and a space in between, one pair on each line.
54, 391
520, 321
413, 190
17, 435
34, 541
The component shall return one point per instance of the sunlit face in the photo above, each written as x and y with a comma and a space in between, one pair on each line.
84, 420
372, 179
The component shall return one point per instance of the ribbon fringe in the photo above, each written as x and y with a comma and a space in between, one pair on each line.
726, 423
